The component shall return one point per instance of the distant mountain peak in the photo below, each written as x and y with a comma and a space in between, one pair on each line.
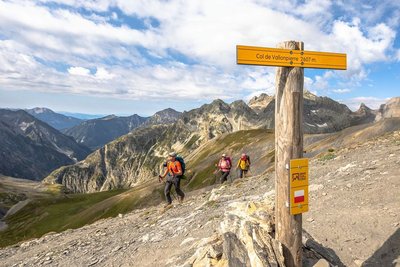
167, 111
217, 104
238, 103
259, 103
308, 95
258, 98
165, 116
109, 117
56, 120
39, 110
363, 107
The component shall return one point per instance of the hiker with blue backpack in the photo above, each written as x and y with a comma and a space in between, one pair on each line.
175, 170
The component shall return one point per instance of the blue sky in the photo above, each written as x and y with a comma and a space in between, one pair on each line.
125, 57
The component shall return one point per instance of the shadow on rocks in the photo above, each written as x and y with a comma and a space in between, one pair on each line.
387, 254
314, 251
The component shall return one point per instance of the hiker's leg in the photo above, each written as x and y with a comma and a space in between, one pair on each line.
241, 173
177, 183
244, 173
221, 179
167, 192
224, 177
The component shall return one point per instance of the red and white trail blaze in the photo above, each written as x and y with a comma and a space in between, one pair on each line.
299, 196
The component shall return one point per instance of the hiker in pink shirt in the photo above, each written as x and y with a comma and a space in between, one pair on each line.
224, 166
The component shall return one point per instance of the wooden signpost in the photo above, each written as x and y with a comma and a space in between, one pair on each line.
290, 202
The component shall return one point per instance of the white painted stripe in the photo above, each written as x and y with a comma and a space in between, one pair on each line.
299, 193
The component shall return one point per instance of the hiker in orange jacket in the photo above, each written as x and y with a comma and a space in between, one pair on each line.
174, 169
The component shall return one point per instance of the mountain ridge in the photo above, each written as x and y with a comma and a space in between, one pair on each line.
98, 132
54, 119
190, 131
34, 147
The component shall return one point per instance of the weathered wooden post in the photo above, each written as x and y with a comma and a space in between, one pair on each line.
291, 170
288, 145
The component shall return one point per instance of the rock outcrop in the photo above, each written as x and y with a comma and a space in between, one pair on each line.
364, 115
258, 103
119, 164
244, 238
391, 109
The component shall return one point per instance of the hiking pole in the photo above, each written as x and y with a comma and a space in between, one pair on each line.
215, 175
171, 192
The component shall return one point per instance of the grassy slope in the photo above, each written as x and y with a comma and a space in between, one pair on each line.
59, 212
201, 164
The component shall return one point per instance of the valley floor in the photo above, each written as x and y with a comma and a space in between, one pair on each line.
354, 210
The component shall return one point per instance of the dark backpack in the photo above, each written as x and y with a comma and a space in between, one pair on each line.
182, 162
228, 159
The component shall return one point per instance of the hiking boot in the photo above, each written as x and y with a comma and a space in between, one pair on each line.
181, 199
168, 205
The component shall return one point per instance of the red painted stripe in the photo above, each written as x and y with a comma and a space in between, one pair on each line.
299, 199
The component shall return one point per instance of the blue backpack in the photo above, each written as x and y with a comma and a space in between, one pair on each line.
182, 162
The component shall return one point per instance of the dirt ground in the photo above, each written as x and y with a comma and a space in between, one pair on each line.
355, 202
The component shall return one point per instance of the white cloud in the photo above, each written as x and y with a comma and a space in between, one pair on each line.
341, 91
205, 32
371, 102
80, 71
175, 81
103, 74
259, 79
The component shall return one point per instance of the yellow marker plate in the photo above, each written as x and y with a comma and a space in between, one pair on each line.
264, 56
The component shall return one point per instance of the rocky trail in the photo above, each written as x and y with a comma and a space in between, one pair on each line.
354, 215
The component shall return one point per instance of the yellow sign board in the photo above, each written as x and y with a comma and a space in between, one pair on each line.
252, 55
298, 185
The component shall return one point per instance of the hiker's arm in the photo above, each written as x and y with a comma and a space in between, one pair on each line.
179, 173
165, 174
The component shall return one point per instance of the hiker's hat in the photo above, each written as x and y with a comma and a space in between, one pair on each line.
224, 155
172, 154
243, 154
